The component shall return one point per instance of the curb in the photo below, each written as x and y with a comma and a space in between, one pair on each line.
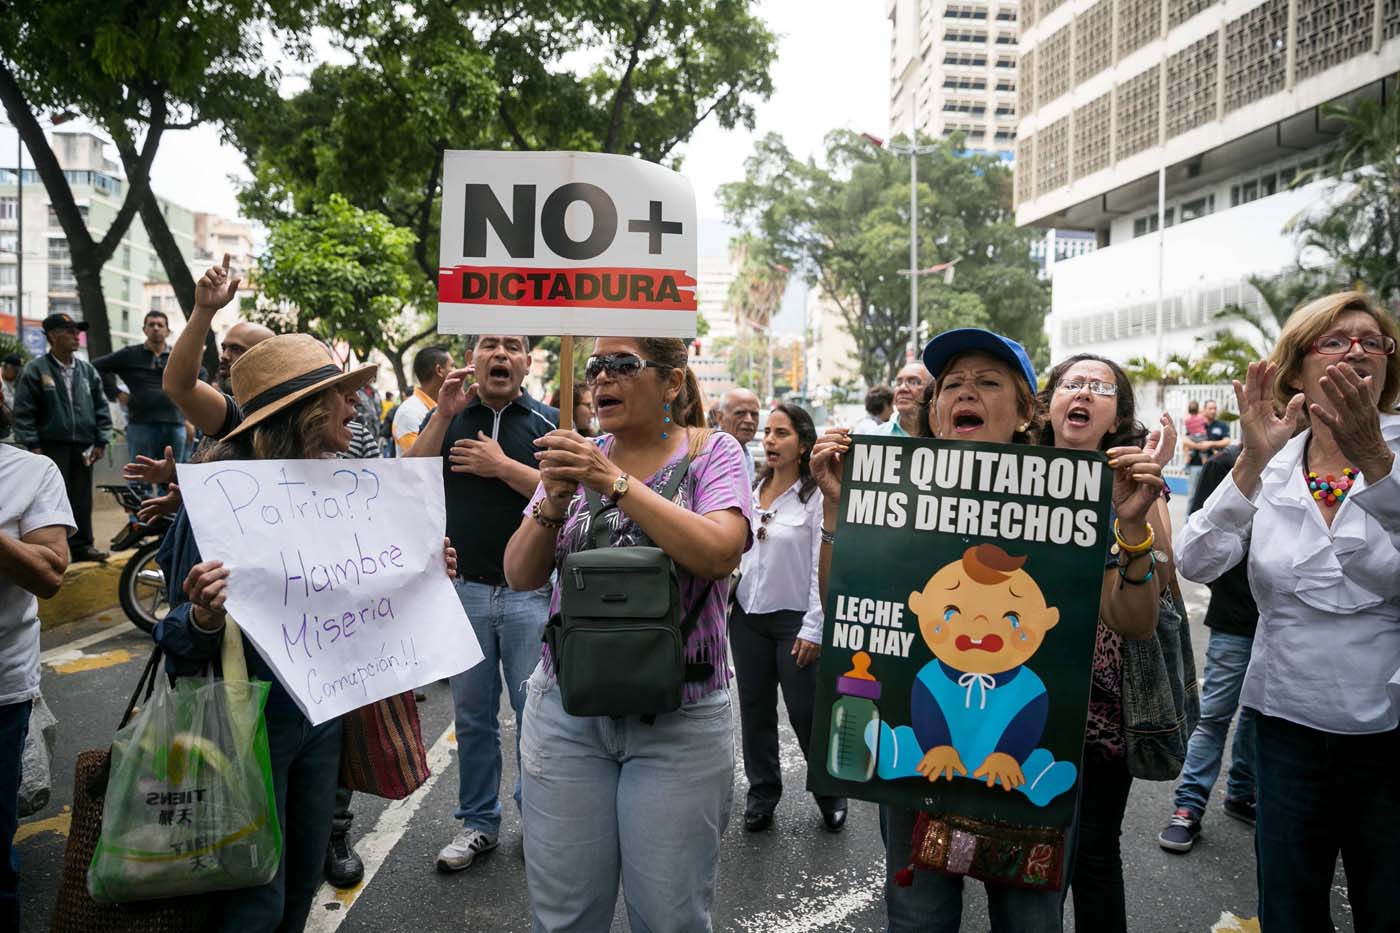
88, 588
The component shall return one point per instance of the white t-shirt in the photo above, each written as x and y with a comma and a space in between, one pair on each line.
34, 498
408, 420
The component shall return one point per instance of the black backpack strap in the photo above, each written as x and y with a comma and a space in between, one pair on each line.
596, 529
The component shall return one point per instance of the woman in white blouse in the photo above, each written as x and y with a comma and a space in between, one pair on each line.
775, 629
1318, 513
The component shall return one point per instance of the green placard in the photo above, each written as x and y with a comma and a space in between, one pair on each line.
960, 626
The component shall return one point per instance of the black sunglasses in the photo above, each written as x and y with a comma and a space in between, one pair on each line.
618, 366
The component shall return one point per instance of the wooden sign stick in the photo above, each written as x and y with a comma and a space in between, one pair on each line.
566, 382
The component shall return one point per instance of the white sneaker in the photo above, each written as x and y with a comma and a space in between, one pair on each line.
462, 851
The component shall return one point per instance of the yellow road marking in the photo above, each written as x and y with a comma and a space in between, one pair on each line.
1229, 923
54, 824
94, 662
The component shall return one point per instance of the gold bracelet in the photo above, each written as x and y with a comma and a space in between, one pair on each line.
1125, 547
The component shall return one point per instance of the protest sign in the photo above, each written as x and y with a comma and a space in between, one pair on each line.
336, 573
960, 624
566, 243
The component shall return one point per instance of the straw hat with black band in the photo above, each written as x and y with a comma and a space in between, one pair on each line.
281, 371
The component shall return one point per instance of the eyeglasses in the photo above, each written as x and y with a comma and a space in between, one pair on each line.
913, 382
618, 366
763, 519
1341, 344
1106, 389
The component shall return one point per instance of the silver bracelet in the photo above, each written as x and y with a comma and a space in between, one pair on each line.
828, 537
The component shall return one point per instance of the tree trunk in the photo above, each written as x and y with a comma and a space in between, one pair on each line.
176, 269
88, 272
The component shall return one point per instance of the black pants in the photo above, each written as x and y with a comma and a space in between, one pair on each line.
1320, 794
342, 818
1097, 879
761, 648
77, 480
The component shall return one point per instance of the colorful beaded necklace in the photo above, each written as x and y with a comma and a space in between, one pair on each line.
1328, 489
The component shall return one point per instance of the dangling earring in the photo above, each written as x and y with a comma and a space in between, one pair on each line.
666, 420
1023, 427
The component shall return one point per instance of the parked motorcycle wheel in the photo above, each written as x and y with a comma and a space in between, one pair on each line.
142, 588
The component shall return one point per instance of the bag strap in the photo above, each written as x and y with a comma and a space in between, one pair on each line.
147, 682
597, 529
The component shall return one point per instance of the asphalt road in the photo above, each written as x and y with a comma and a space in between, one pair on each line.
794, 879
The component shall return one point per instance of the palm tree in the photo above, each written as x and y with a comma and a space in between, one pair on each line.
1228, 352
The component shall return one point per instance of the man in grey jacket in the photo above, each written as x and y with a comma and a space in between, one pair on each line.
61, 412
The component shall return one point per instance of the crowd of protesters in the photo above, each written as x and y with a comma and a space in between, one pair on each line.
1303, 619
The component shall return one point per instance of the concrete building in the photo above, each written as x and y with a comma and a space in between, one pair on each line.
831, 353
711, 363
1220, 102
49, 284
953, 68
213, 237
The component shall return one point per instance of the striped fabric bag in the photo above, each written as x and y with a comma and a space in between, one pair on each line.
382, 751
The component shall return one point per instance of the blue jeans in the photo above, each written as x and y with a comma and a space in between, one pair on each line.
14, 727
933, 903
508, 627
150, 439
1227, 659
1320, 793
614, 798
305, 772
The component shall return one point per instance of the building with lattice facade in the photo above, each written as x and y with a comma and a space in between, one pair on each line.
1221, 100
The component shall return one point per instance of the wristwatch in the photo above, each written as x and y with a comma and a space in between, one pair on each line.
620, 487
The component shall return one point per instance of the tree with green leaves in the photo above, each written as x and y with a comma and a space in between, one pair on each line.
1229, 351
139, 69
845, 221
633, 76
346, 275
1352, 236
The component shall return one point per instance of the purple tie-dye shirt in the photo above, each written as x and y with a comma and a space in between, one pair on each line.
717, 481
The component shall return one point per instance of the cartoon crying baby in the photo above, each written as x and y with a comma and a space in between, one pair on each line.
977, 711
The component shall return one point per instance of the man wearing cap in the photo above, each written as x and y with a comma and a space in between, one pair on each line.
9, 382
485, 434
61, 412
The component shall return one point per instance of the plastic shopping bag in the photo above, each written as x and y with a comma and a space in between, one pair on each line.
36, 783
190, 805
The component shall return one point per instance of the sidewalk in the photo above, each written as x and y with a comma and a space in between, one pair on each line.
88, 587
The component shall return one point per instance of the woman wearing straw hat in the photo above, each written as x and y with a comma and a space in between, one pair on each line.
296, 403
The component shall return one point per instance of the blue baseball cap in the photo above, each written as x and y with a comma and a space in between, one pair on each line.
950, 343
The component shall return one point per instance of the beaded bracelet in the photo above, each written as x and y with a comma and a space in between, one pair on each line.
544, 521
1123, 571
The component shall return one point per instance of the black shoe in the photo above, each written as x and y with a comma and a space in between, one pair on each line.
343, 868
835, 819
1242, 809
757, 822
88, 552
1181, 831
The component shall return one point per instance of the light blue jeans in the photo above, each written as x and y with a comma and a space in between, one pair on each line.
933, 903
1227, 659
508, 626
612, 798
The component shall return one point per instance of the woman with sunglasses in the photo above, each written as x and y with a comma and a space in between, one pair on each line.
1089, 405
1317, 512
984, 390
623, 798
775, 629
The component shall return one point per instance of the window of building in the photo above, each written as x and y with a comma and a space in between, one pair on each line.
1268, 185
1006, 86
58, 249
8, 208
7, 304
1199, 207
7, 276
9, 242
61, 277
53, 215
1286, 176
1249, 191
68, 306
1005, 15
1005, 38
126, 255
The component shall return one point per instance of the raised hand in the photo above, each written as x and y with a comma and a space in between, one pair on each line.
567, 459
1161, 444
826, 462
167, 504
1137, 482
153, 472
455, 395
215, 288
1263, 433
1354, 420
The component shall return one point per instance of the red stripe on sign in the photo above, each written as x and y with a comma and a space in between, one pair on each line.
648, 289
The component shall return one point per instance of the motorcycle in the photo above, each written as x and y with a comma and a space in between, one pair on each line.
141, 588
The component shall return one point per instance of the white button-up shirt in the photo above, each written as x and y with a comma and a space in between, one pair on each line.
780, 571
1327, 650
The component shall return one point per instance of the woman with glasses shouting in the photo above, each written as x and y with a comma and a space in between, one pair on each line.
775, 629
641, 799
1313, 505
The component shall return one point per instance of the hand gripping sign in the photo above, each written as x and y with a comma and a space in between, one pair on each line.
565, 243
336, 573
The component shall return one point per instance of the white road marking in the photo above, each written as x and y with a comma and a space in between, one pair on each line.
332, 906
73, 650
820, 903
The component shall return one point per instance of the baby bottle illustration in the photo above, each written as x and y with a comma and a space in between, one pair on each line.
849, 758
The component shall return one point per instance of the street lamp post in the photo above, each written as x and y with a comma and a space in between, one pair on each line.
913, 150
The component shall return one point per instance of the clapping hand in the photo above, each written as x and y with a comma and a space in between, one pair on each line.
826, 462
1262, 431
1161, 444
1137, 482
214, 288
152, 472
168, 504
1354, 420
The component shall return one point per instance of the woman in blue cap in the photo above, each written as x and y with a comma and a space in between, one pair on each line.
985, 390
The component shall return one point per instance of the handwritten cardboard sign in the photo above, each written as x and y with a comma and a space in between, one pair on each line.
336, 573
961, 615
566, 243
